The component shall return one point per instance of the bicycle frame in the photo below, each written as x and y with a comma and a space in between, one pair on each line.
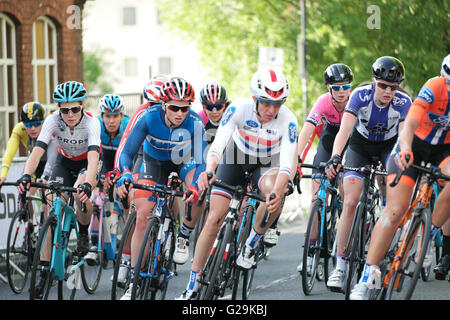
65, 222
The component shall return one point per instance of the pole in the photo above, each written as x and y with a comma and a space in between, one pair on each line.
301, 48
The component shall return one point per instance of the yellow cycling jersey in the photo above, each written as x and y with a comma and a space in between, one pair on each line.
18, 135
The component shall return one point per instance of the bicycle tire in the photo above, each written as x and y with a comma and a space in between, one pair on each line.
354, 266
246, 228
91, 273
397, 281
42, 289
312, 252
145, 261
129, 227
330, 235
19, 251
67, 287
199, 226
210, 291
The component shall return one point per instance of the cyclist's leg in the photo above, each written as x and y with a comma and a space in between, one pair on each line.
441, 211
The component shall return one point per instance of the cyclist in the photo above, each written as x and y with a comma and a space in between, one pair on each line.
256, 135
329, 108
214, 100
26, 132
77, 163
376, 111
113, 124
425, 137
151, 94
173, 143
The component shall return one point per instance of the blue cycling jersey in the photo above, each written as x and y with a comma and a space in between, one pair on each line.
375, 123
179, 145
109, 146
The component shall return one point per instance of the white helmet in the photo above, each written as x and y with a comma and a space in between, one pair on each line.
445, 68
269, 84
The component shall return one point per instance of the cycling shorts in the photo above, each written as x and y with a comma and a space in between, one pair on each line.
437, 155
66, 171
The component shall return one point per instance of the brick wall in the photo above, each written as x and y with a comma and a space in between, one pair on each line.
69, 40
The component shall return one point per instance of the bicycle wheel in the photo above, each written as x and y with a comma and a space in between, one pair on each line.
407, 271
19, 250
147, 267
238, 273
214, 276
311, 249
41, 276
91, 271
333, 212
68, 286
119, 288
355, 258
199, 226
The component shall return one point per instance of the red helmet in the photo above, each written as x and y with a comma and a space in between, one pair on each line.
177, 89
152, 89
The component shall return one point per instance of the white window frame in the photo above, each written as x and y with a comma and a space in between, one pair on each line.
7, 108
46, 62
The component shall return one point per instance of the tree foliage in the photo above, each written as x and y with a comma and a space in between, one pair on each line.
229, 32
95, 70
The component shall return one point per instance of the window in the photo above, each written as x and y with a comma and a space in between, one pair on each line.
8, 80
129, 16
165, 65
44, 60
131, 67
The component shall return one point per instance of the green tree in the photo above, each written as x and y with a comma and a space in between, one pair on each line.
95, 69
228, 33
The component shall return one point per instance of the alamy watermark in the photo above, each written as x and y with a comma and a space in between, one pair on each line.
374, 20
74, 19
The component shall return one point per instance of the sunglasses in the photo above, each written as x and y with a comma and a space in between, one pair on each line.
176, 108
33, 124
75, 109
385, 86
211, 107
275, 104
338, 87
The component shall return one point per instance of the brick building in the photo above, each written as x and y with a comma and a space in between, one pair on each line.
40, 46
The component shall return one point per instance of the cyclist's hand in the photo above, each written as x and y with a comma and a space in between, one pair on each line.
273, 203
84, 191
401, 160
203, 182
1, 181
24, 183
110, 178
121, 187
193, 198
333, 166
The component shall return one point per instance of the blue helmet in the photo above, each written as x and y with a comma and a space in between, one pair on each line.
111, 103
69, 91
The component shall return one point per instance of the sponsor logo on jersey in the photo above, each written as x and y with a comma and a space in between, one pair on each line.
251, 123
399, 101
426, 95
228, 114
440, 120
292, 132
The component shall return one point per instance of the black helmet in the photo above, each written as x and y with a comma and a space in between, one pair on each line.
32, 111
337, 72
213, 94
388, 69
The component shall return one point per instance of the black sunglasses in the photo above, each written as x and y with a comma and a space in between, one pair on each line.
385, 86
75, 109
176, 108
211, 107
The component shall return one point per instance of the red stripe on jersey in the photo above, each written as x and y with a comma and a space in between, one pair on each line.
257, 140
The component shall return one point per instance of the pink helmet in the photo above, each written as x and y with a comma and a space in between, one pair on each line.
269, 84
152, 89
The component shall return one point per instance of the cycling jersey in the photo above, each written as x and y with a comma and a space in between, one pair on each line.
375, 123
210, 127
278, 136
178, 145
109, 146
19, 136
130, 125
432, 109
72, 145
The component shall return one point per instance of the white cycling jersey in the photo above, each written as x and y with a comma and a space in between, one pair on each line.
278, 136
72, 144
